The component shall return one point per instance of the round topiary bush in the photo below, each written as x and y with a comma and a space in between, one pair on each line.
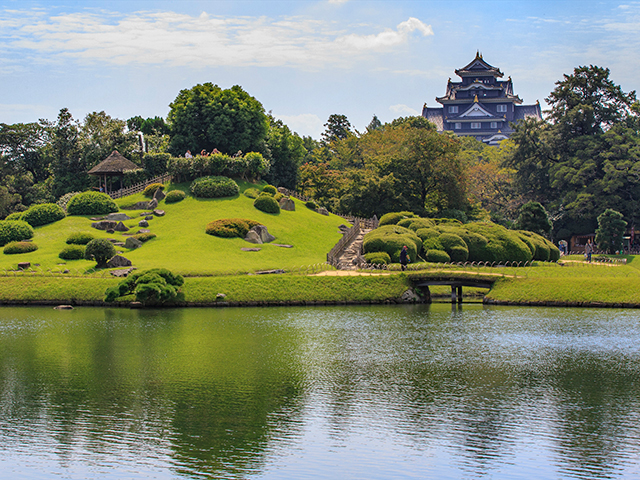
437, 256
377, 258
458, 253
416, 224
251, 193
230, 227
311, 205
454, 246
13, 248
270, 189
214, 187
14, 231
392, 218
266, 204
64, 199
100, 250
80, 238
175, 196
43, 214
150, 190
91, 203
391, 239
72, 252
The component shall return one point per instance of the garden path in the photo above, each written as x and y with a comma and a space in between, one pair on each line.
349, 259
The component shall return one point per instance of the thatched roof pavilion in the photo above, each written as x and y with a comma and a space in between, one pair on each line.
115, 165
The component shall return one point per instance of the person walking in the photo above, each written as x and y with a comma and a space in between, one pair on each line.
588, 250
404, 258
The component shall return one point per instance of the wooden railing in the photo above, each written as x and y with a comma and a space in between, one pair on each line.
333, 257
123, 192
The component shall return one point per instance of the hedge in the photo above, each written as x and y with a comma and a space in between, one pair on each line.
214, 187
12, 248
43, 214
91, 203
14, 231
230, 227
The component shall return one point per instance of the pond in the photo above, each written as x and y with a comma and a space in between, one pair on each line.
370, 392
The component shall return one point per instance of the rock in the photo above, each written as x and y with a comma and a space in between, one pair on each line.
253, 237
118, 244
135, 305
65, 271
123, 272
267, 272
63, 307
143, 230
121, 227
138, 206
343, 228
143, 223
158, 213
153, 203
282, 190
148, 217
244, 249
287, 204
264, 234
119, 261
96, 219
105, 225
159, 195
410, 297
111, 230
112, 240
323, 211
282, 245
144, 214
24, 265
220, 296
117, 217
132, 243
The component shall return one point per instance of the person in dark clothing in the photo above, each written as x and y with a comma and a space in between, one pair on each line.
404, 258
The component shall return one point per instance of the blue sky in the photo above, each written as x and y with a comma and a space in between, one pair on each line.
304, 60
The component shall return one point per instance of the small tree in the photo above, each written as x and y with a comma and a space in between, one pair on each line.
533, 218
610, 230
100, 250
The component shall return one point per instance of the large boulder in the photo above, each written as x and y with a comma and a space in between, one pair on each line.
287, 204
105, 225
323, 211
158, 213
153, 204
263, 233
117, 217
159, 195
118, 261
253, 237
143, 223
132, 243
121, 227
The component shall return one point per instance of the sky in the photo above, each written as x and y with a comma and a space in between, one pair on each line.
302, 59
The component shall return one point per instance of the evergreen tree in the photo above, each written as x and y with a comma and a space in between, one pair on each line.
611, 228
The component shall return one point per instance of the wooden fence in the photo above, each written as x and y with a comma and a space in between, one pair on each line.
123, 192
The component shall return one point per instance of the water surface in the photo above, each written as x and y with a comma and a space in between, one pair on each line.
371, 392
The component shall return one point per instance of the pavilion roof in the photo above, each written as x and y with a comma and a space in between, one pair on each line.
114, 164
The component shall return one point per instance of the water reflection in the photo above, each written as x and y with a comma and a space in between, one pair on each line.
360, 392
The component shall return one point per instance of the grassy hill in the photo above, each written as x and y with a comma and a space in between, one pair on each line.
183, 246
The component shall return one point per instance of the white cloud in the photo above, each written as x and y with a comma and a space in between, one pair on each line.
174, 39
403, 110
306, 124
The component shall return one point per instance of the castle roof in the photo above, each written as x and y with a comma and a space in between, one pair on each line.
479, 66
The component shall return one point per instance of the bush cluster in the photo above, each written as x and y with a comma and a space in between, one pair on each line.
91, 203
392, 218
251, 193
391, 239
230, 227
378, 258
151, 189
14, 231
270, 189
80, 238
214, 187
64, 199
266, 203
100, 250
72, 252
157, 285
252, 166
42, 214
449, 240
175, 196
12, 248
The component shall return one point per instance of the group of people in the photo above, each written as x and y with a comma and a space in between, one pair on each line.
203, 153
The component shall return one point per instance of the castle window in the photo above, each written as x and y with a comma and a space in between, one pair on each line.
494, 124
454, 109
476, 125
502, 108
457, 126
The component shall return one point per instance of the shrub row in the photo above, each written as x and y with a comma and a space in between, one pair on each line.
251, 166
214, 187
230, 227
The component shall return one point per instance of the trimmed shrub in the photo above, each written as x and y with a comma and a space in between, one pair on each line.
230, 227
43, 214
458, 253
214, 187
278, 196
13, 248
416, 223
15, 216
377, 258
80, 238
72, 252
448, 221
437, 256
477, 246
14, 231
544, 250
392, 218
251, 193
64, 199
91, 203
270, 189
390, 239
143, 237
267, 204
311, 205
157, 285
100, 250
150, 190
175, 196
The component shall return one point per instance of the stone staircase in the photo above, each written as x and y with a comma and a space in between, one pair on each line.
349, 258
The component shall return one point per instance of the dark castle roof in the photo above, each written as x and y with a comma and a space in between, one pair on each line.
114, 164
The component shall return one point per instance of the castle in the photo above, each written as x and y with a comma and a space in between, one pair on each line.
480, 105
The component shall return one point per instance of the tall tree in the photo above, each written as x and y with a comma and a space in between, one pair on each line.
21, 145
337, 127
286, 152
611, 227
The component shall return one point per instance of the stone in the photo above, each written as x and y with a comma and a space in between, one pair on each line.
282, 190
267, 272
132, 243
144, 214
137, 206
96, 219
158, 213
24, 265
121, 227
220, 296
135, 305
148, 217
65, 271
111, 230
63, 307
123, 272
159, 195
343, 228
153, 203
112, 240
117, 217
143, 230
104, 225
118, 261
287, 204
118, 244
323, 211
143, 223
263, 233
282, 245
410, 296
245, 249
253, 237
